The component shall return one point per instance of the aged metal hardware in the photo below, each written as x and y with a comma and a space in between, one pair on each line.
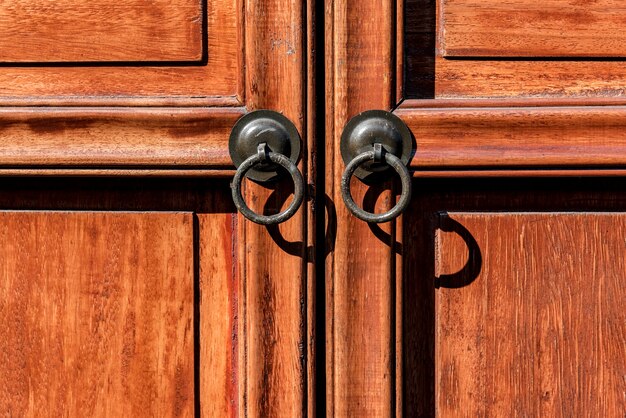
371, 143
260, 142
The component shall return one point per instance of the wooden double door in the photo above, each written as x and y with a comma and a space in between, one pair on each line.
131, 286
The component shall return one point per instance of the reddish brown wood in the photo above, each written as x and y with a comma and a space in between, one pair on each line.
116, 172
162, 84
219, 333
512, 102
519, 173
428, 75
496, 196
360, 76
250, 324
96, 317
273, 309
163, 138
539, 329
527, 28
528, 79
517, 137
101, 30
551, 118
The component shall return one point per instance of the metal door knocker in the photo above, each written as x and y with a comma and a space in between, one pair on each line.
371, 143
260, 142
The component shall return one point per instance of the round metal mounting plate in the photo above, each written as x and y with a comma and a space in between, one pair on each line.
368, 128
263, 126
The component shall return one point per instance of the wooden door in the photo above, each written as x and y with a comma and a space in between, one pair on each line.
130, 286
500, 291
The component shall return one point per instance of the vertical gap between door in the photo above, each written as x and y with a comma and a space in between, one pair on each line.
320, 204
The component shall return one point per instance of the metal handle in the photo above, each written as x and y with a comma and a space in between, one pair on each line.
377, 155
371, 143
263, 156
260, 142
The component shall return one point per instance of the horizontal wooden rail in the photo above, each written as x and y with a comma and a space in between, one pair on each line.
105, 141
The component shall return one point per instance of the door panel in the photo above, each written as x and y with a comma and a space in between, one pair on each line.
70, 52
104, 30
572, 74
161, 252
97, 313
512, 298
527, 28
529, 314
123, 125
397, 292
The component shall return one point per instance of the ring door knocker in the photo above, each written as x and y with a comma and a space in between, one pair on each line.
260, 142
371, 143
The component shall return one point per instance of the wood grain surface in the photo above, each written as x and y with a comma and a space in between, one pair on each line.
472, 79
503, 230
101, 30
272, 260
219, 334
96, 314
116, 137
538, 327
428, 74
217, 77
458, 136
249, 326
360, 75
528, 28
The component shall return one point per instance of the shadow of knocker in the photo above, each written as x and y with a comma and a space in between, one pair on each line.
472, 267
276, 200
373, 193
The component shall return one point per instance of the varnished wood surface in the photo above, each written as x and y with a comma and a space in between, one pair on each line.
541, 137
214, 296
512, 102
272, 261
251, 330
428, 75
163, 138
360, 75
217, 77
512, 249
101, 30
219, 334
97, 314
539, 330
575, 130
528, 28
471, 79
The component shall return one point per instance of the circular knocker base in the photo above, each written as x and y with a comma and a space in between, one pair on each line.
260, 143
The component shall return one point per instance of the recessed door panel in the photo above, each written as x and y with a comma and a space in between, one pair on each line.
556, 49
529, 314
528, 28
100, 30
132, 52
97, 314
